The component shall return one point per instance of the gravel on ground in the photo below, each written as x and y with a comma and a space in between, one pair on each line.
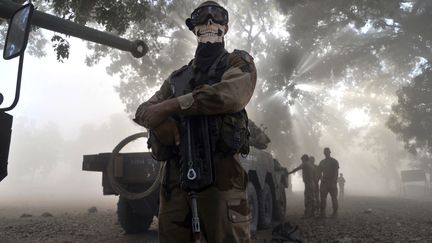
360, 219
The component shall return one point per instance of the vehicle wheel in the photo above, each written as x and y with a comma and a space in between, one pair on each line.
265, 204
130, 221
253, 207
280, 205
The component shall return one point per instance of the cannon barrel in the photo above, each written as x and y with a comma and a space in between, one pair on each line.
137, 48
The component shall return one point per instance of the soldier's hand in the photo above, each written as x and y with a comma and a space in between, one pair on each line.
167, 132
153, 115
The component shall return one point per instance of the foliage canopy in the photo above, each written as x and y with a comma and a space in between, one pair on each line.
316, 59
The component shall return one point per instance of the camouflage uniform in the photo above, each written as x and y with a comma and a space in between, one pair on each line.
316, 188
223, 208
329, 170
308, 174
341, 183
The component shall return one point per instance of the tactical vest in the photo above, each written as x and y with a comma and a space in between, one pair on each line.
232, 133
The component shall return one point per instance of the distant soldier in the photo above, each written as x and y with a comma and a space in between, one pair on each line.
308, 179
329, 170
316, 183
341, 183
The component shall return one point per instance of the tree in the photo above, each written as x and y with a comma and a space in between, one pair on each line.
411, 116
316, 59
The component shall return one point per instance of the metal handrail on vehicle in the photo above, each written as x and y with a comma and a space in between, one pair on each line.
137, 48
116, 185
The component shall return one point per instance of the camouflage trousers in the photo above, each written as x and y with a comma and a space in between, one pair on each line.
328, 188
223, 208
316, 197
341, 192
309, 200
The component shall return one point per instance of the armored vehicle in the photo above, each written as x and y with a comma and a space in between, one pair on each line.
135, 178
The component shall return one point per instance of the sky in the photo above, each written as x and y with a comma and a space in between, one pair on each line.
68, 94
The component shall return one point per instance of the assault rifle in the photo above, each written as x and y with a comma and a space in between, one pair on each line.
198, 138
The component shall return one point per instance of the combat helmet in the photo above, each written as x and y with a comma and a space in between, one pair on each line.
205, 11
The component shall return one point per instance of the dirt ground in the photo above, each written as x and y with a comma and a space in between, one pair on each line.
361, 219
369, 219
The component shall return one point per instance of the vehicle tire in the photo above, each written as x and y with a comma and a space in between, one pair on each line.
253, 207
130, 221
265, 204
280, 205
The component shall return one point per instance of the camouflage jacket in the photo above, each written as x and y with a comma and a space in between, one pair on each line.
329, 170
230, 95
308, 172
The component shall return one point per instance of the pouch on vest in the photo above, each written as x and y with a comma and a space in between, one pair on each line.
159, 151
234, 133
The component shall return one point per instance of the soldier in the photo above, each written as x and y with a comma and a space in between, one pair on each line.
316, 184
221, 85
341, 183
308, 178
329, 170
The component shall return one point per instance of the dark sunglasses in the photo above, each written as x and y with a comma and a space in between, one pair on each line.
201, 15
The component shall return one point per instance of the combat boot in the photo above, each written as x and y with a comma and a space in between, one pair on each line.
308, 214
317, 212
334, 214
321, 213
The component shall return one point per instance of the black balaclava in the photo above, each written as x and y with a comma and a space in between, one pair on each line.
206, 54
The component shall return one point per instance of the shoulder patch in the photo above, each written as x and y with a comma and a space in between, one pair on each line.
244, 55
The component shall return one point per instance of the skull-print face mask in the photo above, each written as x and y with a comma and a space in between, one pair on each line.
210, 32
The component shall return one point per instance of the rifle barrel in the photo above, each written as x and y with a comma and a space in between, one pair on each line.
137, 48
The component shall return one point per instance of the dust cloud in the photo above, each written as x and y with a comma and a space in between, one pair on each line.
309, 95
45, 169
65, 111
